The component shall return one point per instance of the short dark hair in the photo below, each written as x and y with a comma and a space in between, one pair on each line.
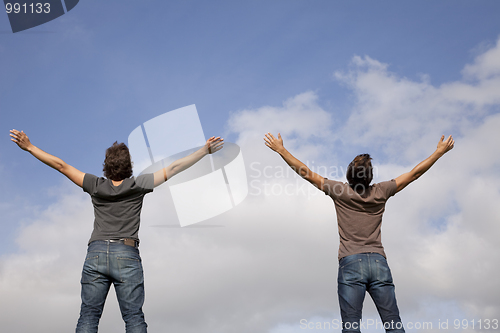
117, 164
360, 172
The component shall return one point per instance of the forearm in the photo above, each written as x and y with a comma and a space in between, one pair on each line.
442, 147
213, 144
177, 166
425, 165
188, 161
51, 160
300, 168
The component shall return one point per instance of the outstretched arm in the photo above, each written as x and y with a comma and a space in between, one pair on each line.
300, 168
442, 147
211, 146
22, 140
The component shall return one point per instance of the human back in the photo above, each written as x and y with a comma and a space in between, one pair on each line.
117, 198
359, 216
117, 209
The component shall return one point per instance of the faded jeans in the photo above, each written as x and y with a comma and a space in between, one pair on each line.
359, 273
109, 263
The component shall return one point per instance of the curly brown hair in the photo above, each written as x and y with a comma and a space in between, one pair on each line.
117, 164
360, 172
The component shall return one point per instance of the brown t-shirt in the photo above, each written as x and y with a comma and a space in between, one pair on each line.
359, 216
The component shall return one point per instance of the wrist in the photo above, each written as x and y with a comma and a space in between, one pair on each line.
203, 150
30, 148
281, 150
438, 154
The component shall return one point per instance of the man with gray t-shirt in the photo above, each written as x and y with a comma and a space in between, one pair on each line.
113, 249
362, 261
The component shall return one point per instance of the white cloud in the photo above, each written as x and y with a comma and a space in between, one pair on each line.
300, 120
39, 285
486, 65
400, 115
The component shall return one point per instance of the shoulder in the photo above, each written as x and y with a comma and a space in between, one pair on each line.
145, 181
333, 187
90, 182
90, 177
386, 188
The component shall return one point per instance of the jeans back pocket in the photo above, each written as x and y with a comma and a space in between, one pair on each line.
351, 271
130, 268
383, 271
90, 271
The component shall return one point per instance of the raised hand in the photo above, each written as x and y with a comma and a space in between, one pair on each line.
444, 146
214, 144
275, 144
20, 138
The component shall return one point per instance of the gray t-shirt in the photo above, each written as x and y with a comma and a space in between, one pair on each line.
117, 209
359, 217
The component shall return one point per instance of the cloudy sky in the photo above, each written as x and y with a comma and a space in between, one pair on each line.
336, 78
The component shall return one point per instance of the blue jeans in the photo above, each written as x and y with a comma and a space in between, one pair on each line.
359, 273
118, 264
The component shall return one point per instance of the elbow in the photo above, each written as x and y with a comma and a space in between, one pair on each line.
304, 172
61, 166
301, 172
174, 170
416, 176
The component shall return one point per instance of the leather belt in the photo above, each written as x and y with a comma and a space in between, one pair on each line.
126, 241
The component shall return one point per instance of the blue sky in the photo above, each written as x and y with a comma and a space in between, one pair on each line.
88, 78
105, 68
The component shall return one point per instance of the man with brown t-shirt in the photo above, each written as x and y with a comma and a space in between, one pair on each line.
362, 261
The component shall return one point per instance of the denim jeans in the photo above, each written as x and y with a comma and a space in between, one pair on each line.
359, 273
118, 264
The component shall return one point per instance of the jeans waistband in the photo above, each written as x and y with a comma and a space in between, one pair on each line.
126, 241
